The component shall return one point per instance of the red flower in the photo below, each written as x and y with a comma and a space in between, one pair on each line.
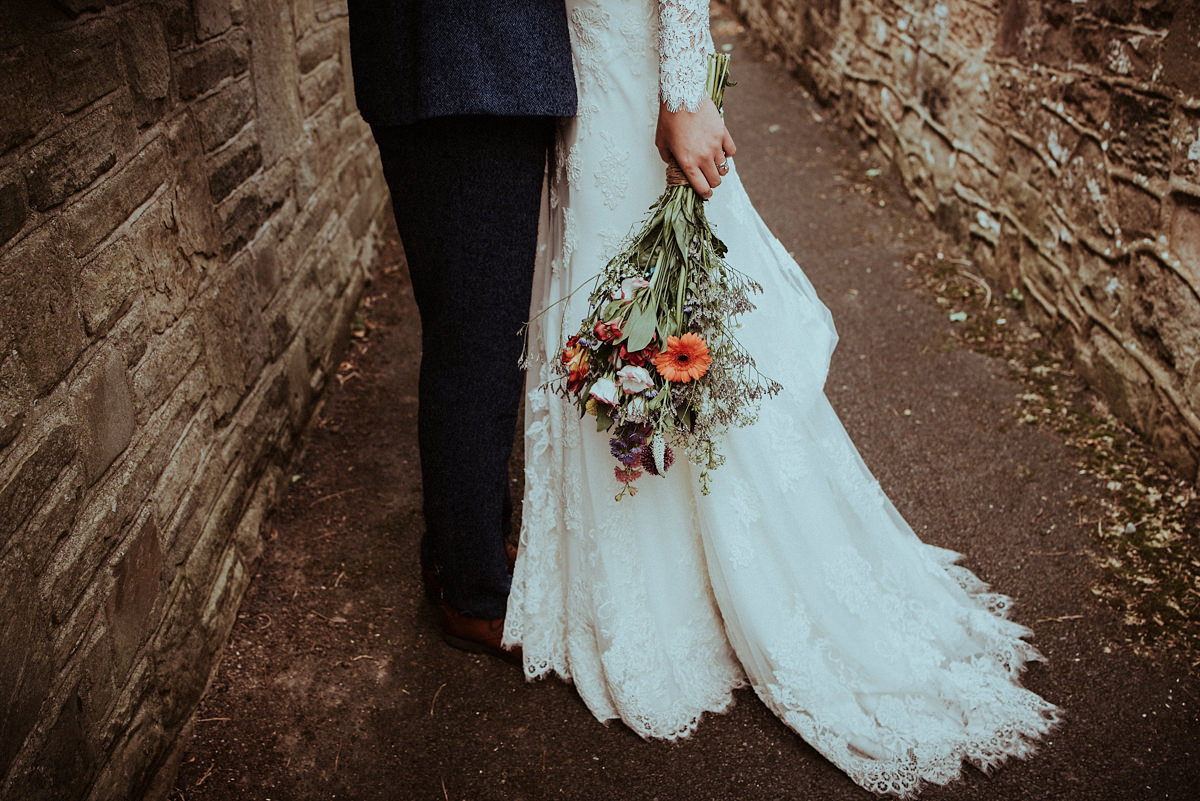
606, 332
571, 348
627, 475
685, 359
639, 358
575, 359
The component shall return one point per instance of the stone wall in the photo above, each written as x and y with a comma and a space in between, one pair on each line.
1062, 139
189, 207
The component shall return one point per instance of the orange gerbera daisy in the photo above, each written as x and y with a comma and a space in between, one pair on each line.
685, 359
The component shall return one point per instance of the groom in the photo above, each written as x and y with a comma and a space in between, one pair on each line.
462, 97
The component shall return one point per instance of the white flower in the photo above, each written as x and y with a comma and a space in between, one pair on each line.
634, 379
635, 410
628, 287
605, 390
658, 446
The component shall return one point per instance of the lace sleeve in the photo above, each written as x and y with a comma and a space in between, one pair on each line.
683, 43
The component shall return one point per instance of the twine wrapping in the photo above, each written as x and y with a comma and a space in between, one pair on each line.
675, 176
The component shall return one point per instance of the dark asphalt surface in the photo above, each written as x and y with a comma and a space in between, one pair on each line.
335, 684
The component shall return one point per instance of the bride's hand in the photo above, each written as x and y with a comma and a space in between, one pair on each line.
698, 141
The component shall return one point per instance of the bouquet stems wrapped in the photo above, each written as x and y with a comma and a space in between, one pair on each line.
655, 359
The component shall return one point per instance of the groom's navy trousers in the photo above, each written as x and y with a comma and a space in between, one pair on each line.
462, 97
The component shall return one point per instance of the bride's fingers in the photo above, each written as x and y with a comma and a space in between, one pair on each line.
711, 173
699, 181
727, 144
723, 163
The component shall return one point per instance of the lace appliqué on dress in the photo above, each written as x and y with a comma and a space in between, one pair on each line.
587, 46
683, 44
612, 174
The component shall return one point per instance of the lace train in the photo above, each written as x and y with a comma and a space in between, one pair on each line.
795, 575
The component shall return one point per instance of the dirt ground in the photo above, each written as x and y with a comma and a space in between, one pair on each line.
334, 683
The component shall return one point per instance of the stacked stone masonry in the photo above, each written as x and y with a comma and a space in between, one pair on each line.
189, 208
1062, 139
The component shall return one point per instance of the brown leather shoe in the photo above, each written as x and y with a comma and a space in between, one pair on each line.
476, 635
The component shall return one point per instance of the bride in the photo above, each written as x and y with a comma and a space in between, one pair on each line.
795, 575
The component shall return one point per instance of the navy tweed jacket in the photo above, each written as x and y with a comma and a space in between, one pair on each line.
416, 59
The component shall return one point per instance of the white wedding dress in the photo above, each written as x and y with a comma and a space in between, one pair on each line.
795, 575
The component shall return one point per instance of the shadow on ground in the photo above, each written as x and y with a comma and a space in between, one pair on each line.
334, 683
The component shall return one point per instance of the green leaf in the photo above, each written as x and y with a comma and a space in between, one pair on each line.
639, 328
683, 231
610, 309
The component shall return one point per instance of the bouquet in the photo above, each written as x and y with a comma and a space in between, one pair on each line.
655, 359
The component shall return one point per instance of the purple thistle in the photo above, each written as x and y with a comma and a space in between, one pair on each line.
650, 467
